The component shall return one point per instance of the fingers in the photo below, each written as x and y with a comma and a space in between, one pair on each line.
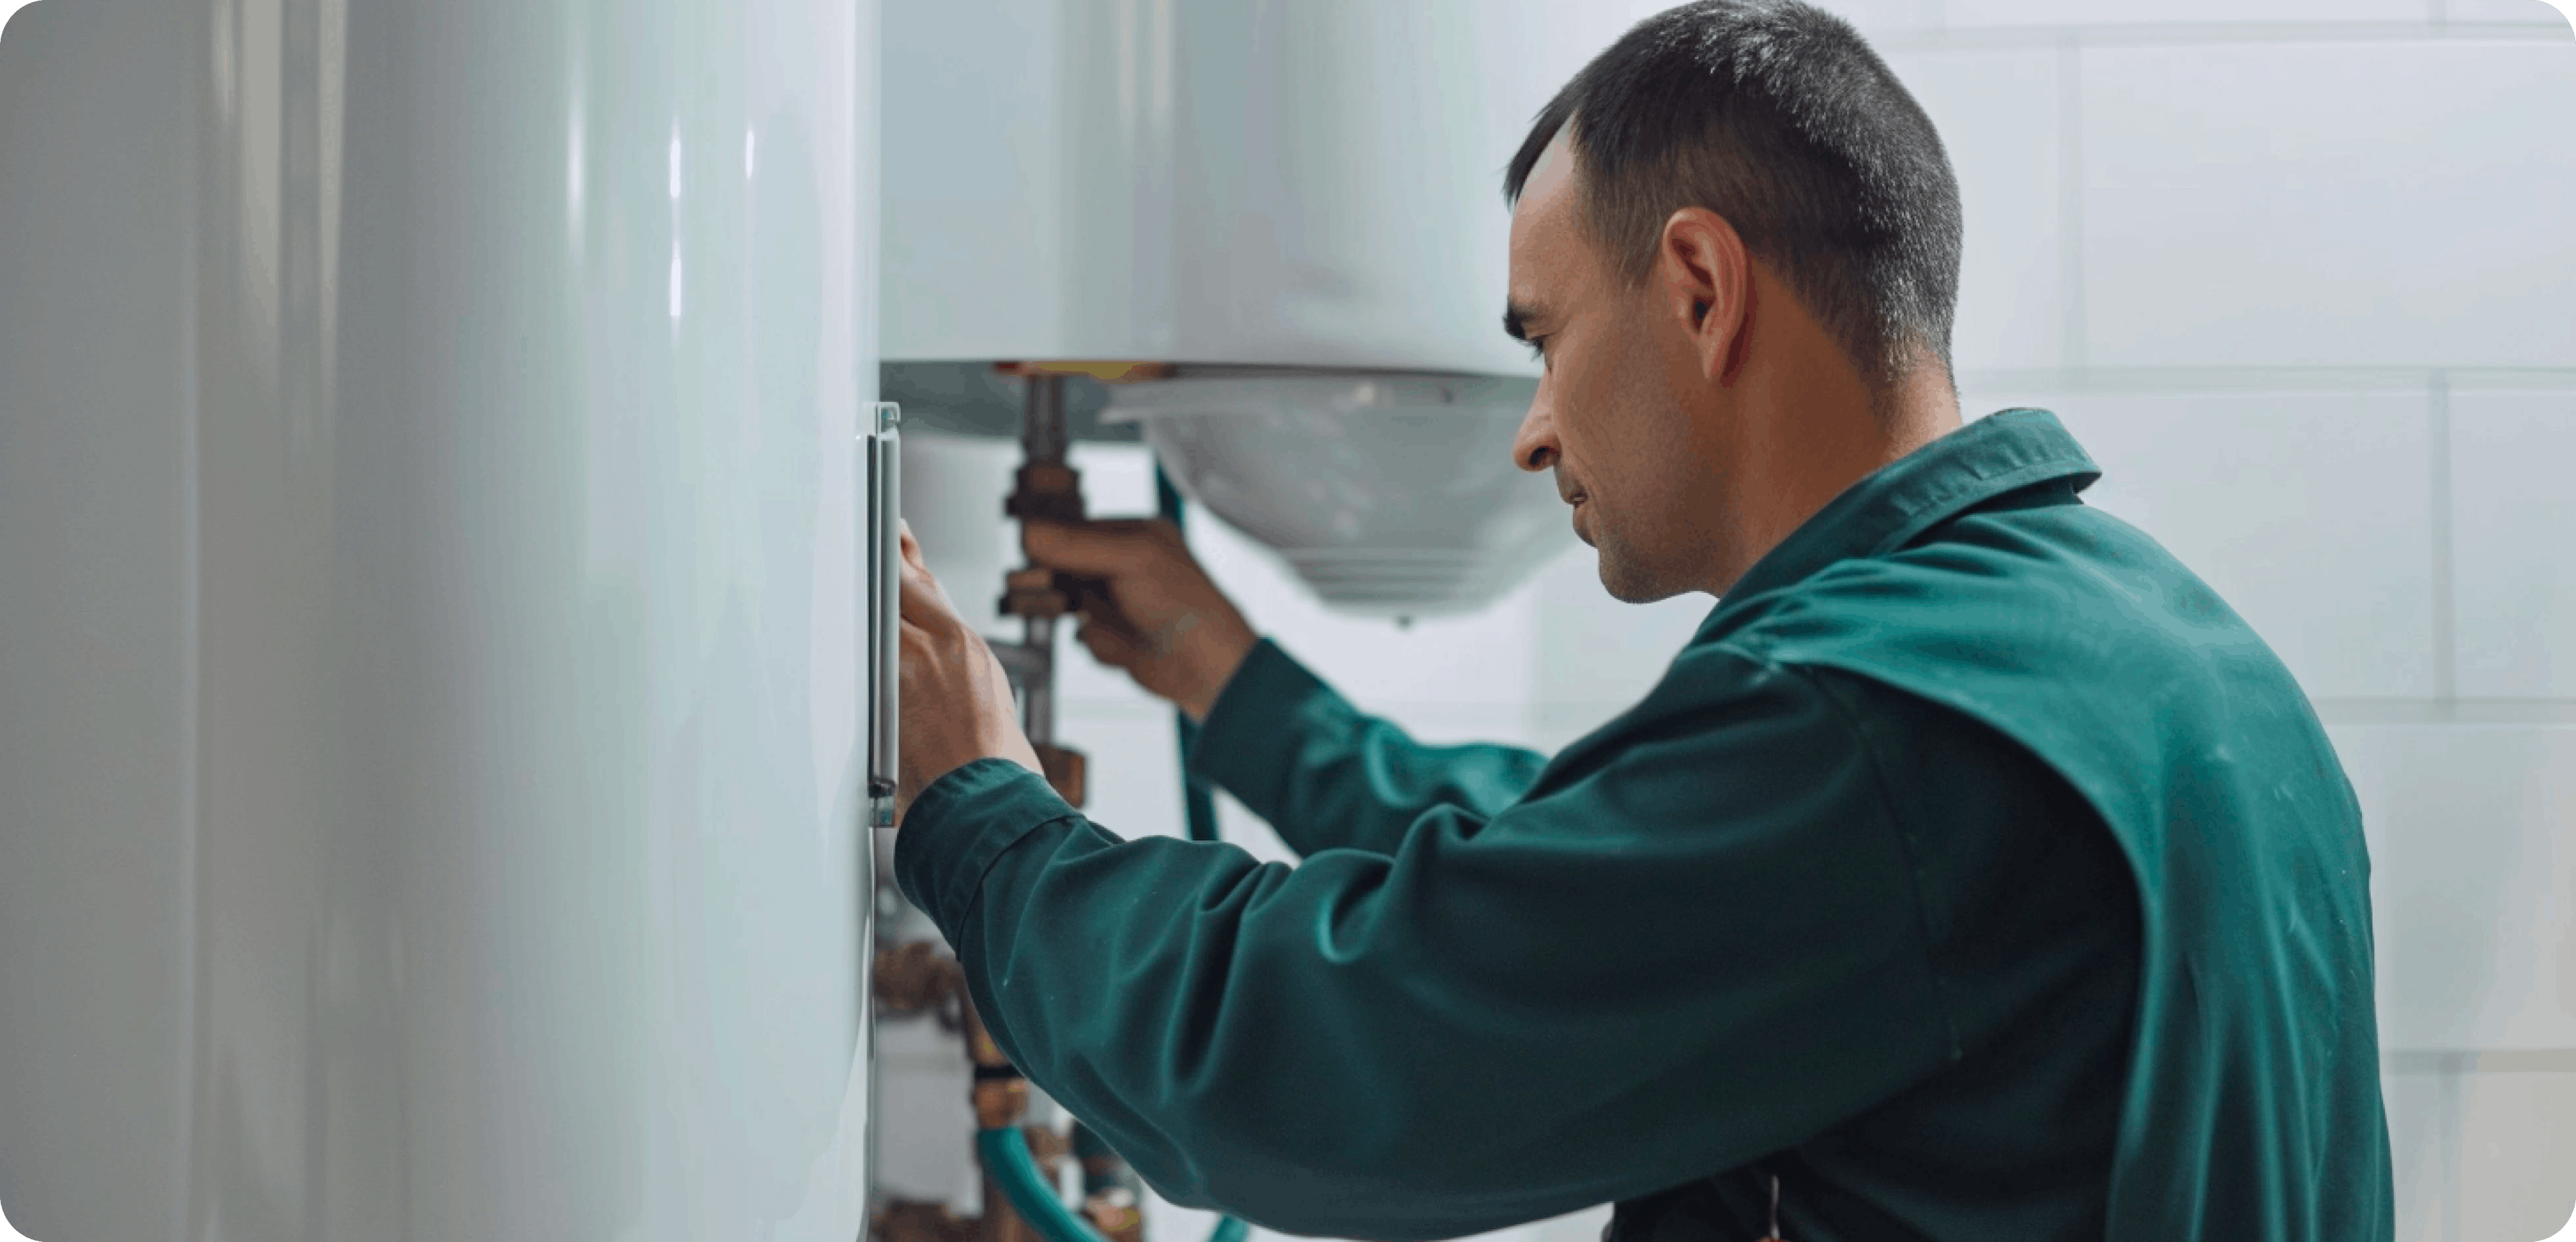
1107, 645
924, 603
1097, 548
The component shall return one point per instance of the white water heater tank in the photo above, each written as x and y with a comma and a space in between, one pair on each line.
430, 641
1297, 202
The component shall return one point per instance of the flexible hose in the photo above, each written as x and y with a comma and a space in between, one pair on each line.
1006, 1157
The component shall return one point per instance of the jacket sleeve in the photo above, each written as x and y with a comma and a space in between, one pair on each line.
1327, 776
1693, 942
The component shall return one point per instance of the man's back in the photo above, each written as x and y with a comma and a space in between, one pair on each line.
2032, 917
2254, 1101
1842, 900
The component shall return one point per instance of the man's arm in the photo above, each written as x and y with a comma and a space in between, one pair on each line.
1327, 776
1299, 755
1696, 942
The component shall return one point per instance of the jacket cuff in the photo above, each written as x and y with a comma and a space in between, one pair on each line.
959, 826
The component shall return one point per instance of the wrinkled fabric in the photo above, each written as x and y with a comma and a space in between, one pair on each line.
1973, 870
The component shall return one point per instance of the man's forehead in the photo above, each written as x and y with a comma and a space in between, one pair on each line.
1548, 179
1539, 224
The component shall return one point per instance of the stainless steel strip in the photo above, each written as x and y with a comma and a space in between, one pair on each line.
885, 628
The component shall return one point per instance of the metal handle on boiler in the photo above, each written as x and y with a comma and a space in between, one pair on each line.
885, 605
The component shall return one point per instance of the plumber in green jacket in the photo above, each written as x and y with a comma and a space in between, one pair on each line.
1973, 873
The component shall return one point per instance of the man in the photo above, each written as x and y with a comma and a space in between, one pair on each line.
1973, 873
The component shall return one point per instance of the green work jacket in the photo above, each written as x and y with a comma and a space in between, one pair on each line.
1974, 872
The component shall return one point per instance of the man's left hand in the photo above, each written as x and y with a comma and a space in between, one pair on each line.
956, 700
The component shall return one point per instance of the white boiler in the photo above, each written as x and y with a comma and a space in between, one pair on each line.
432, 753
1296, 205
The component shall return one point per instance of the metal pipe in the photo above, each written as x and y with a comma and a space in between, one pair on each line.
1042, 443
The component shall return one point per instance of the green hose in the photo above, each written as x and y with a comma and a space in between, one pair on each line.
1006, 1158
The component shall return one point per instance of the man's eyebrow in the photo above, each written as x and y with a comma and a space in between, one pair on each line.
1516, 320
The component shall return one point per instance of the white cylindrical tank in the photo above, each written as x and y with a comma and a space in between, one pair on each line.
1312, 184
1221, 184
430, 646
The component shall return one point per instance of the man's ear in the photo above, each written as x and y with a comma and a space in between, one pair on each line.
1706, 281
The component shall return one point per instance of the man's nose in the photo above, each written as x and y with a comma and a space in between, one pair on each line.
1534, 448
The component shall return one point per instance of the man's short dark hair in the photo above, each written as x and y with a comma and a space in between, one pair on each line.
1777, 116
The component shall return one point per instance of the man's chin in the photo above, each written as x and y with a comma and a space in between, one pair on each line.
1628, 586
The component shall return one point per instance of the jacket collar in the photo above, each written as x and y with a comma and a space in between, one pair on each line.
2002, 452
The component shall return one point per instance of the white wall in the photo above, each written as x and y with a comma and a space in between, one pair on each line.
2297, 273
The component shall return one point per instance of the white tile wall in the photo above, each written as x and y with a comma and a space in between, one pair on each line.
2513, 538
1965, 13
2308, 512
1996, 111
1598, 654
2330, 204
2517, 1155
2472, 833
2422, 1143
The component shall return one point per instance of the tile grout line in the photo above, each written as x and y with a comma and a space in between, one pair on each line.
2070, 223
2446, 674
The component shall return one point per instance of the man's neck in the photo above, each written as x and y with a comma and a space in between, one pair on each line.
1823, 439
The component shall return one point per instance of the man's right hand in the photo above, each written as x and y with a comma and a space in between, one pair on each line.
1165, 621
